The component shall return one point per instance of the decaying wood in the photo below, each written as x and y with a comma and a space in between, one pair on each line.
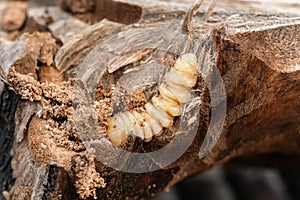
256, 55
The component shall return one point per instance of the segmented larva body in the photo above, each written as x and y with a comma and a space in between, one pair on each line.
161, 110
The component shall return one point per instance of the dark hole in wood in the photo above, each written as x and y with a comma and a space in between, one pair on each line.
95, 11
119, 12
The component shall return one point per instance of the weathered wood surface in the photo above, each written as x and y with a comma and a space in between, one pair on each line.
255, 54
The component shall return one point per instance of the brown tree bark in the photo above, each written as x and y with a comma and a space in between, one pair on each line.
249, 76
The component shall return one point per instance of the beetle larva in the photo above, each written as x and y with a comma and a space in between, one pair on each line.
160, 111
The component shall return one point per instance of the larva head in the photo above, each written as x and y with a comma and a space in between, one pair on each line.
187, 63
191, 58
115, 134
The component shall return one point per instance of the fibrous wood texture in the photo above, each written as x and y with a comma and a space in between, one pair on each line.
70, 82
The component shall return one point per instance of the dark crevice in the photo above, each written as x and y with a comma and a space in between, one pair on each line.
8, 105
95, 11
119, 12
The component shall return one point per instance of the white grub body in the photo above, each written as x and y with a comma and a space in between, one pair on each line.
162, 108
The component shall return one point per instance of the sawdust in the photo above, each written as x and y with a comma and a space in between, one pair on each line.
21, 192
56, 111
100, 93
55, 98
65, 135
104, 111
103, 106
61, 93
87, 180
26, 86
137, 100
53, 134
42, 143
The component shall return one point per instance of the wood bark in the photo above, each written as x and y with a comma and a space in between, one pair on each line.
256, 55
